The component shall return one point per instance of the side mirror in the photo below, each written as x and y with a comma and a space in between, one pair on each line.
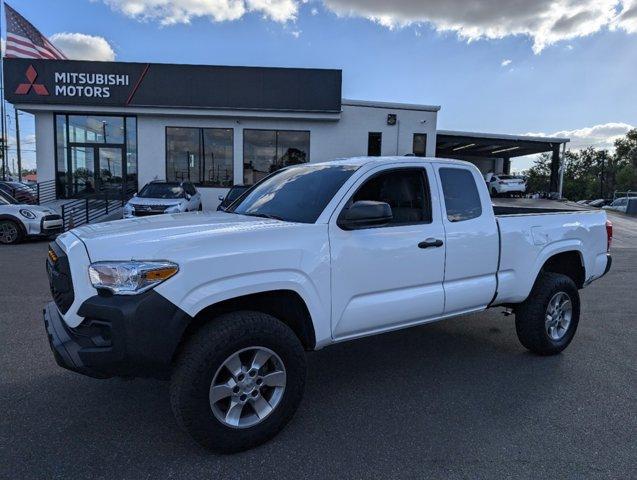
221, 198
364, 214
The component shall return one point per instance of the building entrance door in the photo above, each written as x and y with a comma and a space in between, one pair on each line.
96, 170
109, 170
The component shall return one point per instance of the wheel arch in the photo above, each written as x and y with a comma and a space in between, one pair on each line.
21, 226
286, 305
567, 262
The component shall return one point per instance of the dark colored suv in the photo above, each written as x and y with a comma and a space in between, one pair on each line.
234, 193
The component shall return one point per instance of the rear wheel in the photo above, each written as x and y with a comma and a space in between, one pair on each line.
238, 381
546, 322
10, 232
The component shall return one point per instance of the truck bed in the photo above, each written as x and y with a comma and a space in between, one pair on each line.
528, 236
502, 210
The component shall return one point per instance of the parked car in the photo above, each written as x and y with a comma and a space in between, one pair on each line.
598, 203
20, 192
499, 184
618, 205
19, 221
161, 197
235, 192
225, 303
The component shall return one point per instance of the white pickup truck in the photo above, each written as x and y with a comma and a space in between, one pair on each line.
224, 304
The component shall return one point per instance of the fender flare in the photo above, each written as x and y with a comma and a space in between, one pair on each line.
227, 288
552, 249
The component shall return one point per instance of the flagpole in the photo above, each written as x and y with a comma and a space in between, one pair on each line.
3, 123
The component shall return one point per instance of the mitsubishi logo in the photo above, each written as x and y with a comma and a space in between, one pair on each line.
25, 88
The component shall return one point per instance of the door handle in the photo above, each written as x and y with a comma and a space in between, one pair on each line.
431, 242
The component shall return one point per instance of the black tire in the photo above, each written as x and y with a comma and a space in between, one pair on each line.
10, 232
203, 356
200, 207
530, 316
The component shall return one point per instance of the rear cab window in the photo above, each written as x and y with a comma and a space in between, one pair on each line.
462, 199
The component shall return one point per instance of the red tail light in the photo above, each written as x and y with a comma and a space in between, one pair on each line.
609, 234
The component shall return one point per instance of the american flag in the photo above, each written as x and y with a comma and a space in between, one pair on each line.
25, 41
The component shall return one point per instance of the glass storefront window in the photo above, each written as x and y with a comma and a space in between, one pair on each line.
204, 156
61, 155
218, 153
96, 129
183, 154
266, 151
131, 154
96, 155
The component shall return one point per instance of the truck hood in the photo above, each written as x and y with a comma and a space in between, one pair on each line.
157, 237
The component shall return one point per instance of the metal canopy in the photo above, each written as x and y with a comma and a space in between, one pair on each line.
466, 144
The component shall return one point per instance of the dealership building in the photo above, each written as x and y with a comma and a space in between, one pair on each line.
112, 126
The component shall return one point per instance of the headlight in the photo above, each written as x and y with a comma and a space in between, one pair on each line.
130, 278
27, 214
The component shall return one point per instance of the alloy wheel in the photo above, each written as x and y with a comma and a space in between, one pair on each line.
559, 314
247, 387
8, 232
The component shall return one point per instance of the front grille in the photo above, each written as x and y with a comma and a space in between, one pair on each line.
48, 218
138, 213
60, 282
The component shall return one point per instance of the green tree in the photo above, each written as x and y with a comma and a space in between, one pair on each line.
591, 173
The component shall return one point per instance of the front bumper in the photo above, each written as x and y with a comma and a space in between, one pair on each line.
51, 225
134, 336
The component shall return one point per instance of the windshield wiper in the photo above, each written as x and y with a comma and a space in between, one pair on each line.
264, 215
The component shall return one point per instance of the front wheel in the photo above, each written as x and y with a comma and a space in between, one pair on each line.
546, 322
238, 381
10, 232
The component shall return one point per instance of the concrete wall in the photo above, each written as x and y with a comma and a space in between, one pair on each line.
45, 146
328, 139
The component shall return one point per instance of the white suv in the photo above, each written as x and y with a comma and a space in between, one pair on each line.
161, 197
500, 184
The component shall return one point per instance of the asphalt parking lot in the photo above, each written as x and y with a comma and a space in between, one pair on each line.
457, 399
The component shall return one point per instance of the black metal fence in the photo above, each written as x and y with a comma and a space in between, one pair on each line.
45, 192
86, 210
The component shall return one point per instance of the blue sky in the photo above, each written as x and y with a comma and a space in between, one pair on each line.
575, 77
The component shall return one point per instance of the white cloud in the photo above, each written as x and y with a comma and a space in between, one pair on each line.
78, 46
599, 136
170, 12
627, 18
544, 21
506, 62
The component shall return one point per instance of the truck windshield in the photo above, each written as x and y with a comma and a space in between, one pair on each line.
295, 194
